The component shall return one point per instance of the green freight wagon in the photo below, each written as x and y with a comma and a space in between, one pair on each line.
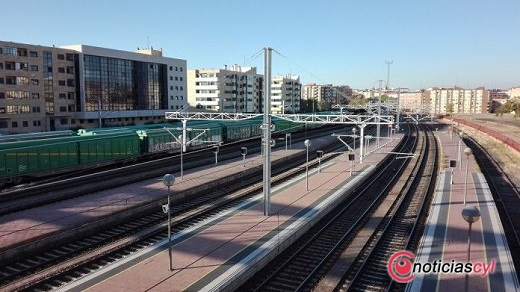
102, 148
38, 157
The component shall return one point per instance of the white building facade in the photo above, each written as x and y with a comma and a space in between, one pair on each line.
285, 94
231, 90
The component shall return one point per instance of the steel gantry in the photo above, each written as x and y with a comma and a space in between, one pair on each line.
359, 120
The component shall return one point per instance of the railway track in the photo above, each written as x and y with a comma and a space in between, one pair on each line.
34, 196
300, 267
505, 194
49, 269
400, 229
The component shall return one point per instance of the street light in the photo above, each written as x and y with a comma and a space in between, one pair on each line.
319, 154
168, 181
471, 214
307, 145
215, 150
243, 151
467, 151
354, 130
181, 137
461, 136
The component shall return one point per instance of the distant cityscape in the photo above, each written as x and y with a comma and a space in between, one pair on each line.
79, 86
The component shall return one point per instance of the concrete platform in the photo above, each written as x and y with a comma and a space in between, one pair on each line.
27, 227
223, 251
445, 239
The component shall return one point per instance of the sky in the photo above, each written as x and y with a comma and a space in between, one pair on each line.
441, 43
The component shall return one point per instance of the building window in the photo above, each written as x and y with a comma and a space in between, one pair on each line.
1, 80
35, 81
10, 51
71, 95
34, 67
62, 96
25, 124
171, 68
70, 57
70, 70
171, 77
61, 57
61, 82
70, 82
63, 109
35, 96
15, 125
33, 54
64, 121
61, 70
21, 52
10, 80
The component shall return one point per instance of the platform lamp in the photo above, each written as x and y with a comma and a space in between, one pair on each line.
467, 151
243, 151
459, 155
216, 150
471, 214
168, 181
307, 144
354, 130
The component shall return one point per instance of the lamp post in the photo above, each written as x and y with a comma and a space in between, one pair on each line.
168, 181
243, 150
354, 130
307, 145
467, 151
471, 214
181, 138
459, 155
215, 150
319, 154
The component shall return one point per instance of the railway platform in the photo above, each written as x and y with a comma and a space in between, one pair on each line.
444, 245
223, 251
21, 229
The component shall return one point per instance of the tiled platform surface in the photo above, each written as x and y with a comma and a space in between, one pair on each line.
209, 256
446, 236
31, 225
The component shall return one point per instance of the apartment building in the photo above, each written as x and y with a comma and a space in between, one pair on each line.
460, 100
49, 88
37, 88
230, 90
328, 93
285, 94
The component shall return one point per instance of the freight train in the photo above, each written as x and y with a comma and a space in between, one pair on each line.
23, 159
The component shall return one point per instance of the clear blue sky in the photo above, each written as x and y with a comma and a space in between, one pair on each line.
431, 43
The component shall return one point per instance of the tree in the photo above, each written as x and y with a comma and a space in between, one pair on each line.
450, 108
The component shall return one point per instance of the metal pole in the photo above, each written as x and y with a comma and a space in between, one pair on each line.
169, 231
458, 154
398, 109
362, 127
307, 170
378, 134
466, 279
466, 181
267, 132
182, 161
